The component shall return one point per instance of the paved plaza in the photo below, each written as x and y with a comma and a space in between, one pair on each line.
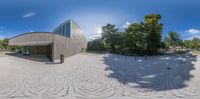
101, 76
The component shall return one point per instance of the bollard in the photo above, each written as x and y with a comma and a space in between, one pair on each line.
61, 58
145, 57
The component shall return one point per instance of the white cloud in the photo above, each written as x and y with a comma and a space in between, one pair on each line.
99, 31
126, 24
94, 37
30, 14
96, 34
193, 31
95, 20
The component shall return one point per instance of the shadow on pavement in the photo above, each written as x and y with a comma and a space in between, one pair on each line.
158, 73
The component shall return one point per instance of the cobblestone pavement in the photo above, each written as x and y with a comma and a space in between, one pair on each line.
101, 76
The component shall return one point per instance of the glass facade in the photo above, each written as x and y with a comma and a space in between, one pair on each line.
26, 50
64, 29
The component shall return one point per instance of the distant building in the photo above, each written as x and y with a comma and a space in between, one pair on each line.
66, 39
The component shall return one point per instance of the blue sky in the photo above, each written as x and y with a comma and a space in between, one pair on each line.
21, 16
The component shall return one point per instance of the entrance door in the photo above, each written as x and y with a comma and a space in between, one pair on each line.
26, 50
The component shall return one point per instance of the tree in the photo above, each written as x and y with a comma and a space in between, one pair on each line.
172, 41
135, 38
166, 42
174, 38
96, 45
195, 43
5, 43
118, 36
187, 44
138, 38
192, 44
111, 37
1, 46
154, 32
6, 46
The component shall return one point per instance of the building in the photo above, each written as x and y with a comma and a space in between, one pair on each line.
66, 39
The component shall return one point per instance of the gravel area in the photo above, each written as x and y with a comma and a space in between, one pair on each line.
101, 76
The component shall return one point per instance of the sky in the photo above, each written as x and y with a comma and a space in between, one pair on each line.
22, 16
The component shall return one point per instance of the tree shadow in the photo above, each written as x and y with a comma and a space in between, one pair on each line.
158, 73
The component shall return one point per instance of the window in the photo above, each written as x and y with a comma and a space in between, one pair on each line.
64, 29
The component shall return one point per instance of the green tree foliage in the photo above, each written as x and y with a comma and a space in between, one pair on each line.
135, 38
138, 38
174, 39
163, 45
154, 32
4, 43
111, 37
187, 44
96, 45
1, 46
195, 43
192, 44
166, 42
118, 36
15, 48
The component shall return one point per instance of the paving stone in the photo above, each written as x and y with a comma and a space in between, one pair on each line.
101, 76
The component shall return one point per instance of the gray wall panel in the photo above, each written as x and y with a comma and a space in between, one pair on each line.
61, 44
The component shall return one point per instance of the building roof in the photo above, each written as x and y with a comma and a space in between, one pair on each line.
29, 33
35, 43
